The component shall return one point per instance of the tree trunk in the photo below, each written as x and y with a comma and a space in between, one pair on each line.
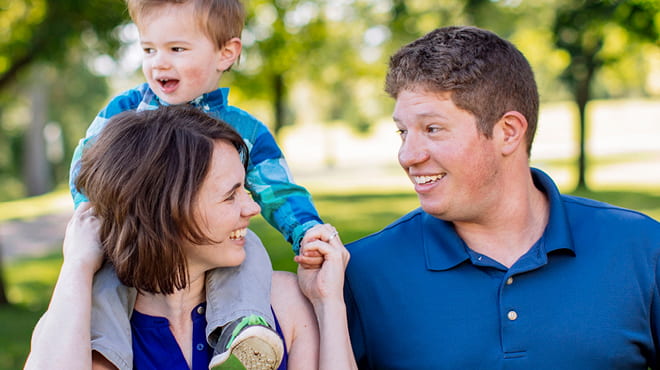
582, 153
3, 295
279, 103
582, 97
36, 169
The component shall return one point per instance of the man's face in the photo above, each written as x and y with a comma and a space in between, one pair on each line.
452, 165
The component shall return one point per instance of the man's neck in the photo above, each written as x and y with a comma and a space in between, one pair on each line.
511, 230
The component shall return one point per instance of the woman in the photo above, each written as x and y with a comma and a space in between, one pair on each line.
169, 204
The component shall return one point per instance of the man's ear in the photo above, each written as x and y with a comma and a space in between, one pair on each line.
512, 128
229, 53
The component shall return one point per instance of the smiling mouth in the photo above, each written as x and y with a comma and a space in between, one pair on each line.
238, 234
167, 83
421, 180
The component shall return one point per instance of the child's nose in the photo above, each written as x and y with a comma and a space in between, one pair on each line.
160, 61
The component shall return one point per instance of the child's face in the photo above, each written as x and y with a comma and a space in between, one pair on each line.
180, 61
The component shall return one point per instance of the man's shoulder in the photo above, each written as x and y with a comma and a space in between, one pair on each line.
605, 213
396, 229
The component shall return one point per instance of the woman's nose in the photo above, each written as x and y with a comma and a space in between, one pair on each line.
250, 207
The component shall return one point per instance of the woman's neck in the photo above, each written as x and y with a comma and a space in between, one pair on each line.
176, 308
175, 305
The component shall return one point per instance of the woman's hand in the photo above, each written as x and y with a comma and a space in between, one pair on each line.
82, 245
324, 287
325, 282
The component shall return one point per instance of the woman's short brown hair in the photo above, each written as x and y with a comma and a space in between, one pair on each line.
142, 176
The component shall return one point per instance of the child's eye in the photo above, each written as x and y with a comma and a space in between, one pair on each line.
178, 49
148, 50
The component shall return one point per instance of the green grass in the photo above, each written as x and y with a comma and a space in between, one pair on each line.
29, 286
30, 281
35, 206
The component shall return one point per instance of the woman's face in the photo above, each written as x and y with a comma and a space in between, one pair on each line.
223, 211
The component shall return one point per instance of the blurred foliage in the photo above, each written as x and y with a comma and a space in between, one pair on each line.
304, 61
599, 33
59, 38
40, 30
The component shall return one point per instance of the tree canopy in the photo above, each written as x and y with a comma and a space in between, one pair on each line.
41, 30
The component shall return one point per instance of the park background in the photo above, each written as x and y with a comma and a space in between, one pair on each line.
313, 71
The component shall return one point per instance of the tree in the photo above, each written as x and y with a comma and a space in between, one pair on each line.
582, 29
278, 39
41, 30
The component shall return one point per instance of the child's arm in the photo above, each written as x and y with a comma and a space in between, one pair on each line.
126, 101
286, 206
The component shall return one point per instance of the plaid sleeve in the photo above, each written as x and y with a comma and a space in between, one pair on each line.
286, 206
126, 101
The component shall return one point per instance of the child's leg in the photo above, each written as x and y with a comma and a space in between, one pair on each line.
112, 306
238, 300
234, 292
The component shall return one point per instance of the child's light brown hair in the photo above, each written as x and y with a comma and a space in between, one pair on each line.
221, 20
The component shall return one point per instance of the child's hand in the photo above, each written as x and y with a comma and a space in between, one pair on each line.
310, 258
325, 284
81, 240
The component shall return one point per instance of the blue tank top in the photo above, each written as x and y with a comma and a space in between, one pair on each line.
154, 345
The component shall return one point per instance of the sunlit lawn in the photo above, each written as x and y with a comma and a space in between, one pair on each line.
357, 214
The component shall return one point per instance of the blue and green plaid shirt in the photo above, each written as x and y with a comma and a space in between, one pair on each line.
285, 205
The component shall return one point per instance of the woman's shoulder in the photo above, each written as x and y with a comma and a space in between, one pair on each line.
286, 297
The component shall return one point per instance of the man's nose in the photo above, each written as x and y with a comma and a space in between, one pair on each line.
413, 151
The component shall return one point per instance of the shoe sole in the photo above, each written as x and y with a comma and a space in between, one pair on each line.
255, 348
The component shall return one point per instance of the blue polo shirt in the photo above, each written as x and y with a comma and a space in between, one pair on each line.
585, 296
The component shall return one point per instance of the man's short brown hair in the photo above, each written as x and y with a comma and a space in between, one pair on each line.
484, 74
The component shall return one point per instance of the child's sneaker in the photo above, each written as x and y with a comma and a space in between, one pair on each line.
251, 341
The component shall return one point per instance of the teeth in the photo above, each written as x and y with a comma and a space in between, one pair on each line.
238, 234
427, 179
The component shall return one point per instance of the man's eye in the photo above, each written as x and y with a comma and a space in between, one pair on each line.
402, 132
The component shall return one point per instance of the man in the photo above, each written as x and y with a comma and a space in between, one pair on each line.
496, 269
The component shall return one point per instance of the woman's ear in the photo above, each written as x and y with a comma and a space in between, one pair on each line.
512, 128
229, 53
